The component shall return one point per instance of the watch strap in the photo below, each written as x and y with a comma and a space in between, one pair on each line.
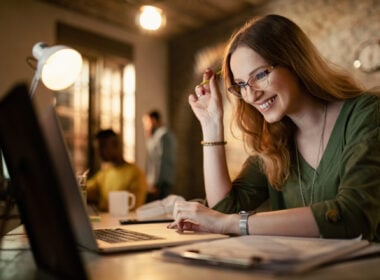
243, 222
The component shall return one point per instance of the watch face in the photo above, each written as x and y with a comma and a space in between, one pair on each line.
368, 56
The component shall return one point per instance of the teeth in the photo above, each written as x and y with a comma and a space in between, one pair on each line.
266, 104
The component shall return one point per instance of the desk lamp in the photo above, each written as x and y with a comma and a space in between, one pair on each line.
57, 66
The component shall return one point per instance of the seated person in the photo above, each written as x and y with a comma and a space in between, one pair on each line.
312, 132
115, 174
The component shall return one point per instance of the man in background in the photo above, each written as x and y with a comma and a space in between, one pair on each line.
161, 158
115, 174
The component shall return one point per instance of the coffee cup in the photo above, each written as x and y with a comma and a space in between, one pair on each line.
120, 202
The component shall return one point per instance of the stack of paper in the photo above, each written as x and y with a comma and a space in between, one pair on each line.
270, 253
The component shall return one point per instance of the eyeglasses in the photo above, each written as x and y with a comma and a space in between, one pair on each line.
258, 80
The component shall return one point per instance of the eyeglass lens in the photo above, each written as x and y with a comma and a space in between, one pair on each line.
258, 80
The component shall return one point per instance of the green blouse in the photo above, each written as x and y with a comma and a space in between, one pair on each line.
345, 198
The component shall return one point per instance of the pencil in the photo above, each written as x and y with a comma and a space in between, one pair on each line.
207, 81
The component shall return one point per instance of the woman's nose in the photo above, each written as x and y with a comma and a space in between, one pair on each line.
251, 94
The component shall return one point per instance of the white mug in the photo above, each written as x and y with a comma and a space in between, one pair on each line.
120, 202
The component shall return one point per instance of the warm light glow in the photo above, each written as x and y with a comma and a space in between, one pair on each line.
357, 63
129, 79
58, 66
129, 112
151, 18
61, 69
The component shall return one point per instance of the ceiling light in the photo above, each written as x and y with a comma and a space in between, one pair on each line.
151, 18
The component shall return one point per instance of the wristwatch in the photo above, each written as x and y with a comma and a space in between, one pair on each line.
243, 222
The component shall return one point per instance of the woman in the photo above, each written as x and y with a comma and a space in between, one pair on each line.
313, 135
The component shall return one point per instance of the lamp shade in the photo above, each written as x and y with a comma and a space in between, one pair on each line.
58, 66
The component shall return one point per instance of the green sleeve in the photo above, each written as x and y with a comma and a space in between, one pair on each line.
249, 189
356, 208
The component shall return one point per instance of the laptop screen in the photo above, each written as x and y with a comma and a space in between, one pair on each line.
37, 187
57, 146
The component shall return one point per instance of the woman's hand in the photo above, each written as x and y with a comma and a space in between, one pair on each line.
206, 102
194, 216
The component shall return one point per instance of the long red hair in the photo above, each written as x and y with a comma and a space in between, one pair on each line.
280, 41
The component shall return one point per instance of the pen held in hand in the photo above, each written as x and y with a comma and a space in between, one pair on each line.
207, 81
135, 222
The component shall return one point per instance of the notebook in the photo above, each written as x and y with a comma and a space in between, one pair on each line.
272, 254
52, 145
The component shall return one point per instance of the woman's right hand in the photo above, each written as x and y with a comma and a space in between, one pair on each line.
193, 216
207, 104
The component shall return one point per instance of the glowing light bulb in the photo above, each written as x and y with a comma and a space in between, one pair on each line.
61, 69
151, 18
58, 66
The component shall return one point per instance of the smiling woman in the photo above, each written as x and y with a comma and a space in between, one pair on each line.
312, 132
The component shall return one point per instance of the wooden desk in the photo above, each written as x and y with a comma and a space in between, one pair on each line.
143, 265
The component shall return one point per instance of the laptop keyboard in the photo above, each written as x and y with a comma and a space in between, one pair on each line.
121, 235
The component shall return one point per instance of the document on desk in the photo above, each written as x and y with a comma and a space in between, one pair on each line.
276, 254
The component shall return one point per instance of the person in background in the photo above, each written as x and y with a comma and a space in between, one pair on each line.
161, 156
115, 174
313, 135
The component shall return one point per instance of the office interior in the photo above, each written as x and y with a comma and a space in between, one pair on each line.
168, 68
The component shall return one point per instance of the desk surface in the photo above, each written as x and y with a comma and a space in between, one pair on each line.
19, 264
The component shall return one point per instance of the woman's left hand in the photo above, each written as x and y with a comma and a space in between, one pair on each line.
193, 216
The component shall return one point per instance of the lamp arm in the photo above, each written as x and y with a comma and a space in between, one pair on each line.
34, 84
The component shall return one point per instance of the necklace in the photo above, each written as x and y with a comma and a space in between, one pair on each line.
320, 149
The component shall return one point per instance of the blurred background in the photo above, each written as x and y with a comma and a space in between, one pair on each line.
127, 70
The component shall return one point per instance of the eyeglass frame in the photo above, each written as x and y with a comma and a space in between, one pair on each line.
252, 79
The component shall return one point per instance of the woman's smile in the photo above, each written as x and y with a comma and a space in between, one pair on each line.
265, 106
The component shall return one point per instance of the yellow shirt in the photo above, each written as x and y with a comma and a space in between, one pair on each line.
115, 178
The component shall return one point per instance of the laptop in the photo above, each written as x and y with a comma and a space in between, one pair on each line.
34, 184
52, 145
